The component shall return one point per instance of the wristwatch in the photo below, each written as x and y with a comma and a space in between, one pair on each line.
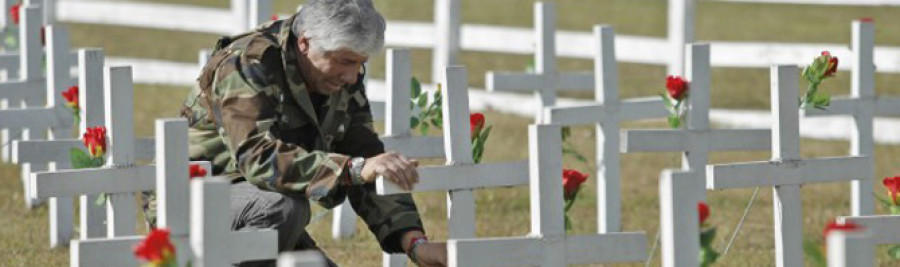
356, 166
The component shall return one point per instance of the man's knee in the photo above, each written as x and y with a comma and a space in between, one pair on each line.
259, 209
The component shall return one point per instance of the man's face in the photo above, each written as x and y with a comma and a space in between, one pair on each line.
329, 71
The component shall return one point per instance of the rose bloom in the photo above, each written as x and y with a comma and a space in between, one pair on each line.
95, 140
572, 179
196, 171
676, 86
476, 122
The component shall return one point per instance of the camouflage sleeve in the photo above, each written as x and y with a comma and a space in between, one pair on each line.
245, 113
387, 217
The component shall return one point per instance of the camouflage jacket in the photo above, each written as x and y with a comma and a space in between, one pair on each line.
252, 117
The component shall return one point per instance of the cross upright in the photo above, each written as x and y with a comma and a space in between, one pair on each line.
546, 79
863, 105
606, 115
177, 205
548, 244
787, 172
447, 36
460, 176
120, 177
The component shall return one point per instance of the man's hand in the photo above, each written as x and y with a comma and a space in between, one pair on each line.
393, 166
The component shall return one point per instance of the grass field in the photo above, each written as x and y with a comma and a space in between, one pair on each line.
504, 212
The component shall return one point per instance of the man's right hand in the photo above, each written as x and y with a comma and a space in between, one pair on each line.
393, 166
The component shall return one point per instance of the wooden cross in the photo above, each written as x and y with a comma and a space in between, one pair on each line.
120, 177
606, 115
26, 91
548, 244
547, 79
679, 231
460, 176
863, 105
786, 172
680, 33
196, 214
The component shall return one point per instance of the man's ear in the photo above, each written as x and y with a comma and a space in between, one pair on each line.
303, 44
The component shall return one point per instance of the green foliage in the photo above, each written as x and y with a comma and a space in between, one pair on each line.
82, 160
675, 109
814, 253
478, 142
708, 255
429, 113
814, 74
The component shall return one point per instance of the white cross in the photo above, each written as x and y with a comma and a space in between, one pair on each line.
695, 140
882, 230
120, 177
786, 172
548, 244
301, 259
250, 13
47, 120
197, 215
461, 175
863, 105
547, 79
606, 114
26, 91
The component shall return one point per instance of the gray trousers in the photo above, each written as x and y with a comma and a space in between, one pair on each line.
253, 208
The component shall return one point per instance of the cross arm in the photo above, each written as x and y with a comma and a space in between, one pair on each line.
838, 106
887, 106
740, 175
43, 151
838, 169
66, 183
508, 81
653, 140
680, 140
642, 108
41, 117
609, 247
446, 178
119, 251
576, 115
416, 147
883, 227
24, 90
506, 251
740, 139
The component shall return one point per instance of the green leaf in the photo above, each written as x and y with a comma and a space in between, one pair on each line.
413, 122
707, 236
438, 121
486, 132
416, 87
101, 199
422, 101
566, 132
571, 152
894, 252
424, 129
674, 121
80, 159
812, 252
708, 256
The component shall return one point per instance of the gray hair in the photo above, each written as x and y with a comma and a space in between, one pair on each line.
332, 25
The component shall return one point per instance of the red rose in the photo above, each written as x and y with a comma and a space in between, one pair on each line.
677, 87
95, 140
476, 122
274, 17
703, 210
867, 20
196, 171
71, 96
14, 12
572, 179
893, 186
157, 248
835, 226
